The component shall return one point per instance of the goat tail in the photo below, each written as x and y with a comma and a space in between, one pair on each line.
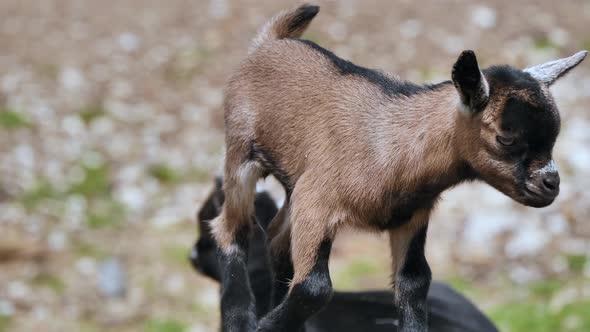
287, 24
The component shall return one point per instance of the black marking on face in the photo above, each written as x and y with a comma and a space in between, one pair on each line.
529, 113
536, 126
389, 86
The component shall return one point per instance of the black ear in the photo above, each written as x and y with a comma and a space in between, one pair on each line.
470, 83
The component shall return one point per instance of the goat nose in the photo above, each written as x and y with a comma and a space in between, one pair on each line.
551, 182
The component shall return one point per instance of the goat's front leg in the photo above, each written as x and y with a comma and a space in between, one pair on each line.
411, 273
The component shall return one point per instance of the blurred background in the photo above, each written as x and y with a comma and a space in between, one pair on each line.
111, 131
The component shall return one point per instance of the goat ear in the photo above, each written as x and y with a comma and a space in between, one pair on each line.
549, 72
470, 83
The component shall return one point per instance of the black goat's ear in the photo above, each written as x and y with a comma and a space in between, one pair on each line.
470, 83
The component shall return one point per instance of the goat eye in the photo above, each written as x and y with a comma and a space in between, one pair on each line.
506, 141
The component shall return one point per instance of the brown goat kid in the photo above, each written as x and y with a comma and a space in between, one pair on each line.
358, 147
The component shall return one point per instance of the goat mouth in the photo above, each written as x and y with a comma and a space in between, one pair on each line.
536, 198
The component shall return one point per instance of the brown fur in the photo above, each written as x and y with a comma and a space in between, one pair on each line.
347, 152
365, 147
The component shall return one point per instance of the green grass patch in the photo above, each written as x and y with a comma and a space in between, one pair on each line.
165, 325
525, 317
577, 263
543, 43
314, 37
164, 173
42, 191
96, 182
10, 119
50, 281
536, 316
177, 254
90, 113
185, 65
462, 285
351, 274
546, 288
105, 213
197, 174
88, 250
168, 175
4, 323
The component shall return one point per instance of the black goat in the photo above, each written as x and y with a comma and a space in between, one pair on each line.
449, 311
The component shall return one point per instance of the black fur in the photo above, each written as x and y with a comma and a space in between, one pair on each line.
507, 76
467, 79
282, 266
204, 254
389, 86
413, 283
305, 299
238, 312
303, 15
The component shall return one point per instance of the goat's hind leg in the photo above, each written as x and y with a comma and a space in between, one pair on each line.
279, 235
311, 287
231, 231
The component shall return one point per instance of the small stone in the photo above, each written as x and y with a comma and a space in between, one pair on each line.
73, 125
175, 284
483, 17
112, 279
453, 44
337, 31
129, 42
6, 308
218, 8
57, 240
132, 197
18, 290
528, 240
559, 36
209, 297
198, 328
523, 275
557, 224
40, 313
86, 266
71, 78
410, 29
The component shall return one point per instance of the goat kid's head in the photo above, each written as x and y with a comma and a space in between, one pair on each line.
508, 124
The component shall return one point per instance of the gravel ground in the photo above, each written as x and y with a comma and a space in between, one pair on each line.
111, 131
